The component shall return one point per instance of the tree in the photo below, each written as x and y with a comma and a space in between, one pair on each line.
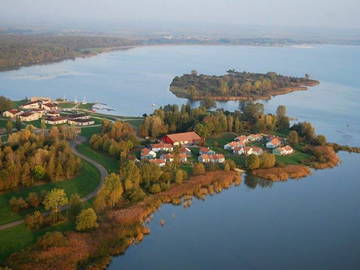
179, 176
208, 103
17, 204
227, 167
34, 221
76, 205
18, 124
293, 138
281, 111
9, 126
33, 199
54, 200
5, 104
155, 188
110, 193
252, 162
321, 140
198, 169
38, 172
86, 220
267, 160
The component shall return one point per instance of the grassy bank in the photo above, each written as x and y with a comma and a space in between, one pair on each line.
111, 164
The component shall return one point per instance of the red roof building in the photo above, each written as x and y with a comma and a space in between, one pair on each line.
185, 138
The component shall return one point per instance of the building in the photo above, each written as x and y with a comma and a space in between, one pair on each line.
233, 145
254, 137
186, 151
283, 151
52, 113
12, 113
206, 150
247, 151
146, 153
31, 105
29, 116
41, 99
171, 157
50, 106
274, 142
185, 138
159, 162
216, 158
166, 147
55, 120
78, 116
80, 122
242, 139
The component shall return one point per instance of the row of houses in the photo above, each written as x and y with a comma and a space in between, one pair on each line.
206, 155
239, 145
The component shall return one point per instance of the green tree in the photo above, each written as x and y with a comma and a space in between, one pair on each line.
9, 126
293, 138
76, 205
18, 124
208, 103
5, 104
281, 111
39, 172
86, 220
54, 200
252, 162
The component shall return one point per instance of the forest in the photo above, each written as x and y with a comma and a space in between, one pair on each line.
237, 85
31, 158
25, 50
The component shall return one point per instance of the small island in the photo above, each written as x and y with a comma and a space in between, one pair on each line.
237, 85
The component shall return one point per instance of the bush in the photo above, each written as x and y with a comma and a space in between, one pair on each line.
33, 199
17, 204
52, 239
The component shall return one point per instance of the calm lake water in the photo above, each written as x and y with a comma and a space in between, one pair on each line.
311, 223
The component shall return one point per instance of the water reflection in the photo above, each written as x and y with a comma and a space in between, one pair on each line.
252, 182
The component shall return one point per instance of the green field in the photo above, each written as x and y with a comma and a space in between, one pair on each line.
19, 237
111, 164
86, 182
294, 159
89, 131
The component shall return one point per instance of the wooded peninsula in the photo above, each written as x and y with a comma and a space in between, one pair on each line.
237, 85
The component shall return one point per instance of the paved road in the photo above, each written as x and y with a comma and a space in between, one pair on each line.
101, 169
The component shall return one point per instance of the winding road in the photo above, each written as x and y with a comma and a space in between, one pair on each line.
99, 167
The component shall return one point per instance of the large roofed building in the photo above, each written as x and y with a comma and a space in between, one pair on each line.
184, 138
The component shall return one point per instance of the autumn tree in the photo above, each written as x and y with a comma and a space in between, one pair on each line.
5, 104
110, 192
75, 206
293, 138
35, 221
86, 220
198, 169
252, 162
54, 200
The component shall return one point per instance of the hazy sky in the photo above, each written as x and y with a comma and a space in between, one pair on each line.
321, 13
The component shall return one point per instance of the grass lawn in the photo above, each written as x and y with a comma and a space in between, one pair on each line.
18, 103
19, 237
89, 131
87, 106
3, 123
217, 143
293, 159
136, 123
111, 164
66, 105
83, 184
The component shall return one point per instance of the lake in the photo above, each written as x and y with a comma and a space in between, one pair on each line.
306, 224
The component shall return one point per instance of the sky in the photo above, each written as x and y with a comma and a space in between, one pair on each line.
308, 13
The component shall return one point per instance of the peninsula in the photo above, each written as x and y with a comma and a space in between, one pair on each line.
237, 85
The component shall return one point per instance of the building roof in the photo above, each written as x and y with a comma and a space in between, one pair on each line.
13, 111
50, 105
161, 145
30, 103
241, 138
204, 149
184, 136
145, 151
214, 156
157, 161
275, 141
81, 120
26, 114
57, 118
